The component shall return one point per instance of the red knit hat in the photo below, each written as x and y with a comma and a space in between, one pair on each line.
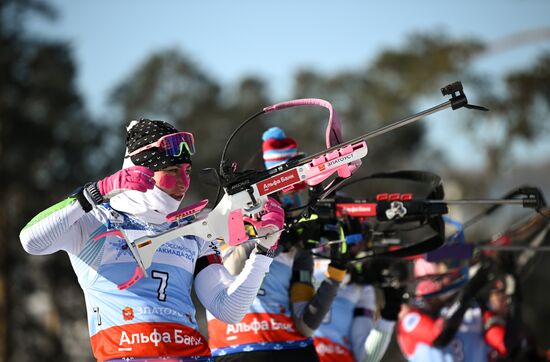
277, 148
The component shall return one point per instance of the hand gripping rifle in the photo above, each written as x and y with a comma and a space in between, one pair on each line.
247, 192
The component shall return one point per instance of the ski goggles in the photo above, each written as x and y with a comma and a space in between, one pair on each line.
171, 144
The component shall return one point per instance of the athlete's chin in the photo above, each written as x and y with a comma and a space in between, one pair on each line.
178, 196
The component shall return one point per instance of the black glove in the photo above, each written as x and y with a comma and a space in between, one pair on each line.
338, 260
308, 233
338, 256
351, 225
370, 271
452, 322
359, 274
393, 300
339, 253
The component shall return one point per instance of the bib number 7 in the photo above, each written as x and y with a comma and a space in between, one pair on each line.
163, 277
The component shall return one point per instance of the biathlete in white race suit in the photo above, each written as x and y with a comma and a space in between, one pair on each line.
150, 318
350, 332
279, 324
333, 340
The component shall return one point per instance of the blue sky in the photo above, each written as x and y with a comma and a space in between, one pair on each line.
273, 39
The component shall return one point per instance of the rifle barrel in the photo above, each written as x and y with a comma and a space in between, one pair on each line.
513, 247
390, 127
479, 202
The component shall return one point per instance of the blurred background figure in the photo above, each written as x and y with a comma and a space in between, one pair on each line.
448, 323
360, 324
469, 306
387, 277
506, 295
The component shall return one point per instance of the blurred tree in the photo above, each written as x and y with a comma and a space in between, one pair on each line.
46, 138
166, 86
169, 86
519, 113
388, 89
398, 80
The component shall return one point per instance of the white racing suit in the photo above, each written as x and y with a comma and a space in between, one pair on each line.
155, 317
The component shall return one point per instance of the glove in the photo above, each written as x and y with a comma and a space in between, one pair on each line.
393, 299
137, 178
307, 232
452, 322
271, 221
339, 254
338, 261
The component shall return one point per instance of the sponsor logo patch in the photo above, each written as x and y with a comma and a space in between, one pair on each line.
278, 182
410, 322
356, 209
128, 314
342, 159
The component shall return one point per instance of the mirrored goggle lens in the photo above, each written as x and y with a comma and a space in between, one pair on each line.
177, 143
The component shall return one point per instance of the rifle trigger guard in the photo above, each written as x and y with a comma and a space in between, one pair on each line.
253, 202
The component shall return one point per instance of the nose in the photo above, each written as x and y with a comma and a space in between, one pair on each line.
184, 177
